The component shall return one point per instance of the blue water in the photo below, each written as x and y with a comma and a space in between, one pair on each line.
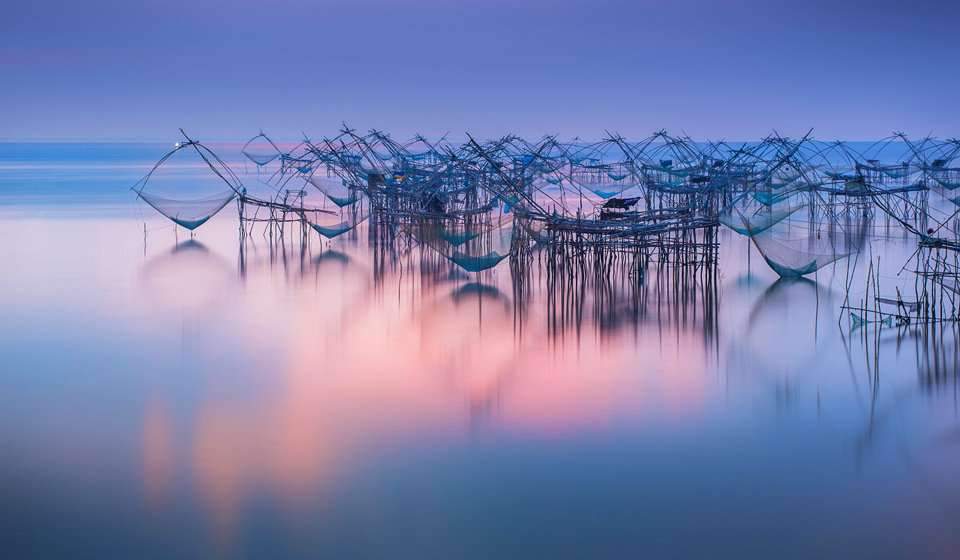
166, 396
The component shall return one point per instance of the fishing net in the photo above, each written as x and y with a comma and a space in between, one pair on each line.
189, 213
335, 189
486, 250
792, 258
946, 178
775, 193
479, 246
604, 180
298, 160
187, 185
607, 190
260, 159
859, 321
537, 230
260, 150
331, 223
750, 224
457, 236
477, 263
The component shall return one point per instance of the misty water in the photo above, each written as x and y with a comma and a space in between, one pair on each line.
163, 394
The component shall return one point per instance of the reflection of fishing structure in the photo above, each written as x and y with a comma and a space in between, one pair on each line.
616, 290
191, 285
189, 277
790, 309
484, 329
933, 349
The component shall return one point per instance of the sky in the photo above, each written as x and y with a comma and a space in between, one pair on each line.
223, 70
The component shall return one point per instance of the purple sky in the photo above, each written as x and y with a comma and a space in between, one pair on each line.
223, 70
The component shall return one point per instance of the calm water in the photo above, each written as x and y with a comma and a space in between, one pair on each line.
162, 397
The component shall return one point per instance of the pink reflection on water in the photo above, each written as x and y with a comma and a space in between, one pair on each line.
345, 367
158, 453
329, 367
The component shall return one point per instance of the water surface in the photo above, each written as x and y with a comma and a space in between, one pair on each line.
164, 396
